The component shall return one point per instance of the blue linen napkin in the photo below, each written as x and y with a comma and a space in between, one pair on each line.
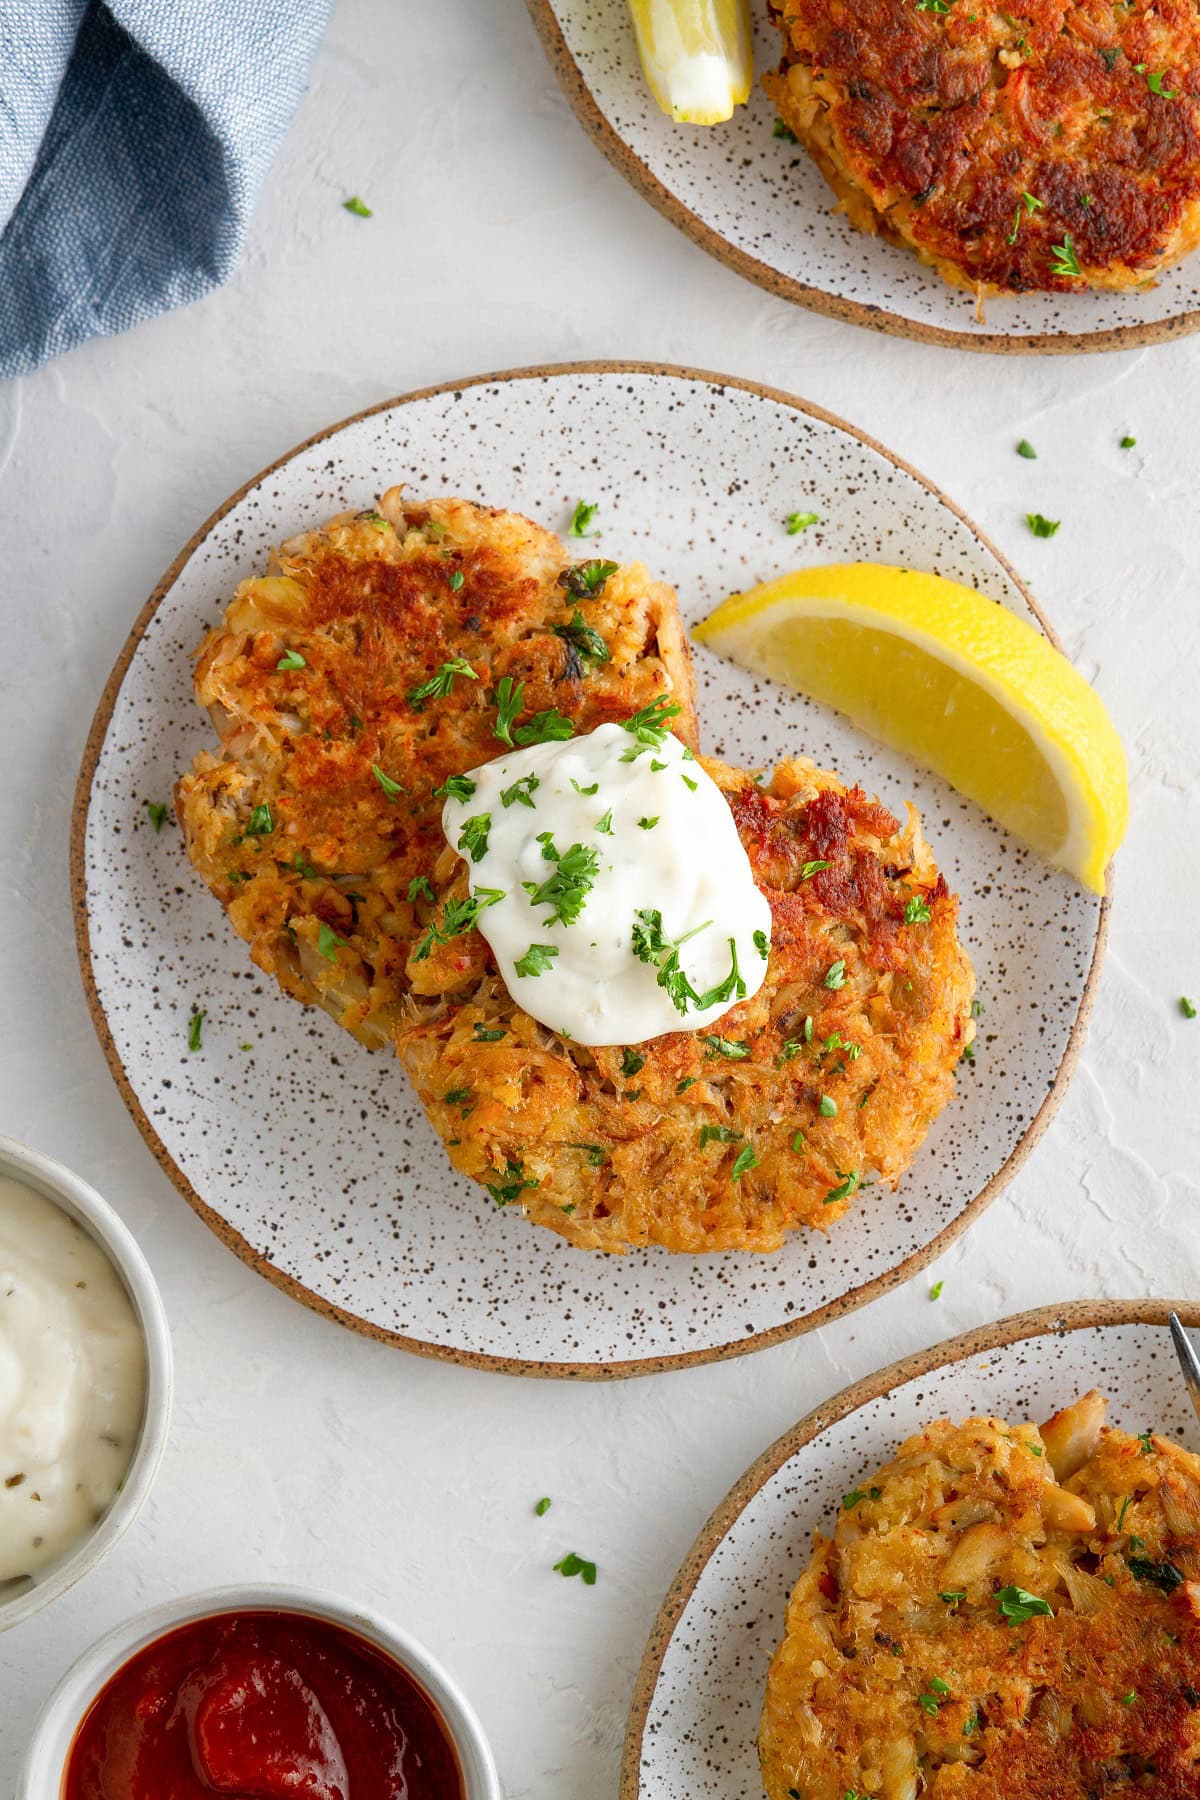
134, 138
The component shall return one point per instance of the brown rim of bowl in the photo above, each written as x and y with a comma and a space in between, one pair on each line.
1072, 1315
651, 1365
833, 306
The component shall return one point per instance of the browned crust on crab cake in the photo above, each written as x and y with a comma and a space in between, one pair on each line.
986, 138
904, 1670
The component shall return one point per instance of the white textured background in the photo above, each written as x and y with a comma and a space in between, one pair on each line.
501, 237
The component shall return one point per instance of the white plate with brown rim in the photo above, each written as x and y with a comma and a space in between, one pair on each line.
760, 204
308, 1155
693, 1722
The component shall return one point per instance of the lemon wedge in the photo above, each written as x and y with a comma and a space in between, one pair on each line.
959, 683
697, 56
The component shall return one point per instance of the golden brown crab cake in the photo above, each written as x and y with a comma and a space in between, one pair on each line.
828, 1078
1001, 1613
348, 683
1052, 145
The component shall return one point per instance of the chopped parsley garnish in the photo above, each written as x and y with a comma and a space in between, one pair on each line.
473, 838
456, 1096
1127, 442
748, 1159
455, 787
435, 530
719, 1134
291, 659
358, 207
458, 917
1016, 1605
650, 945
681, 1087
577, 1565
828, 1107
688, 782
584, 637
456, 581
810, 869
800, 521
521, 792
1124, 1509
649, 824
917, 912
508, 705
1154, 81
420, 888
1065, 260
935, 1292
572, 881
632, 1062
604, 824
1145, 1439
934, 6
761, 944
584, 581
543, 1506
440, 683
587, 792
1187, 1007
1041, 526
261, 823
536, 960
1031, 204
597, 1155
726, 1047
848, 1184
327, 943
306, 870
195, 1028
391, 788
835, 974
1163, 1574
549, 727
852, 1499
485, 1034
649, 727
1127, 1699
1026, 449
952, 1596
780, 130
581, 518
156, 812
511, 1184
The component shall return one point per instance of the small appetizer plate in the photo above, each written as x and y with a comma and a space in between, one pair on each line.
19, 1600
54, 1732
308, 1155
758, 202
693, 1722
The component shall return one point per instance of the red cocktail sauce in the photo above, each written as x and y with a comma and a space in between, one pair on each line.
262, 1706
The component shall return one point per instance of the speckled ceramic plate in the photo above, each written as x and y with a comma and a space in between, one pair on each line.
693, 1724
761, 205
306, 1153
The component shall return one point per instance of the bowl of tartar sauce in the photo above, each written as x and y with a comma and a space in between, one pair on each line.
85, 1380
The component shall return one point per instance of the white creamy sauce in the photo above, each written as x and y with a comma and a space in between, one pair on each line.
631, 836
72, 1380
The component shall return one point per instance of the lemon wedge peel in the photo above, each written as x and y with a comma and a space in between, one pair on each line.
697, 56
843, 632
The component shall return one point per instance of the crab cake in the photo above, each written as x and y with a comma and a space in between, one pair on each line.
1048, 146
350, 682
367, 672
825, 1080
1002, 1613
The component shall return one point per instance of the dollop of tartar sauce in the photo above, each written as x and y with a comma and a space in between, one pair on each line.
72, 1380
625, 896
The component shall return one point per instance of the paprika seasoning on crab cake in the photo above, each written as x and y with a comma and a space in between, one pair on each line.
264, 1706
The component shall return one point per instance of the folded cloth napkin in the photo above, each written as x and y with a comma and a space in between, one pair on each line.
134, 138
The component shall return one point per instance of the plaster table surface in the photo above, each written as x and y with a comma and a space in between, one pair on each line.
502, 237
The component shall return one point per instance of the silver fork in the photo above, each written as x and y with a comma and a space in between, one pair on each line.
1189, 1362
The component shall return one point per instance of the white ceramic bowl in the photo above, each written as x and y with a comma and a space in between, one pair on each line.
54, 1731
19, 1600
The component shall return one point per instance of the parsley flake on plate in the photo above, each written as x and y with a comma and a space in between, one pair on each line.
577, 1565
581, 518
358, 207
800, 521
1040, 526
156, 812
543, 1506
1187, 1007
195, 1029
935, 1292
1026, 449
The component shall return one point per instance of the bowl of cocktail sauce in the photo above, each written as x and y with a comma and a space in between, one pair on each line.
266, 1693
